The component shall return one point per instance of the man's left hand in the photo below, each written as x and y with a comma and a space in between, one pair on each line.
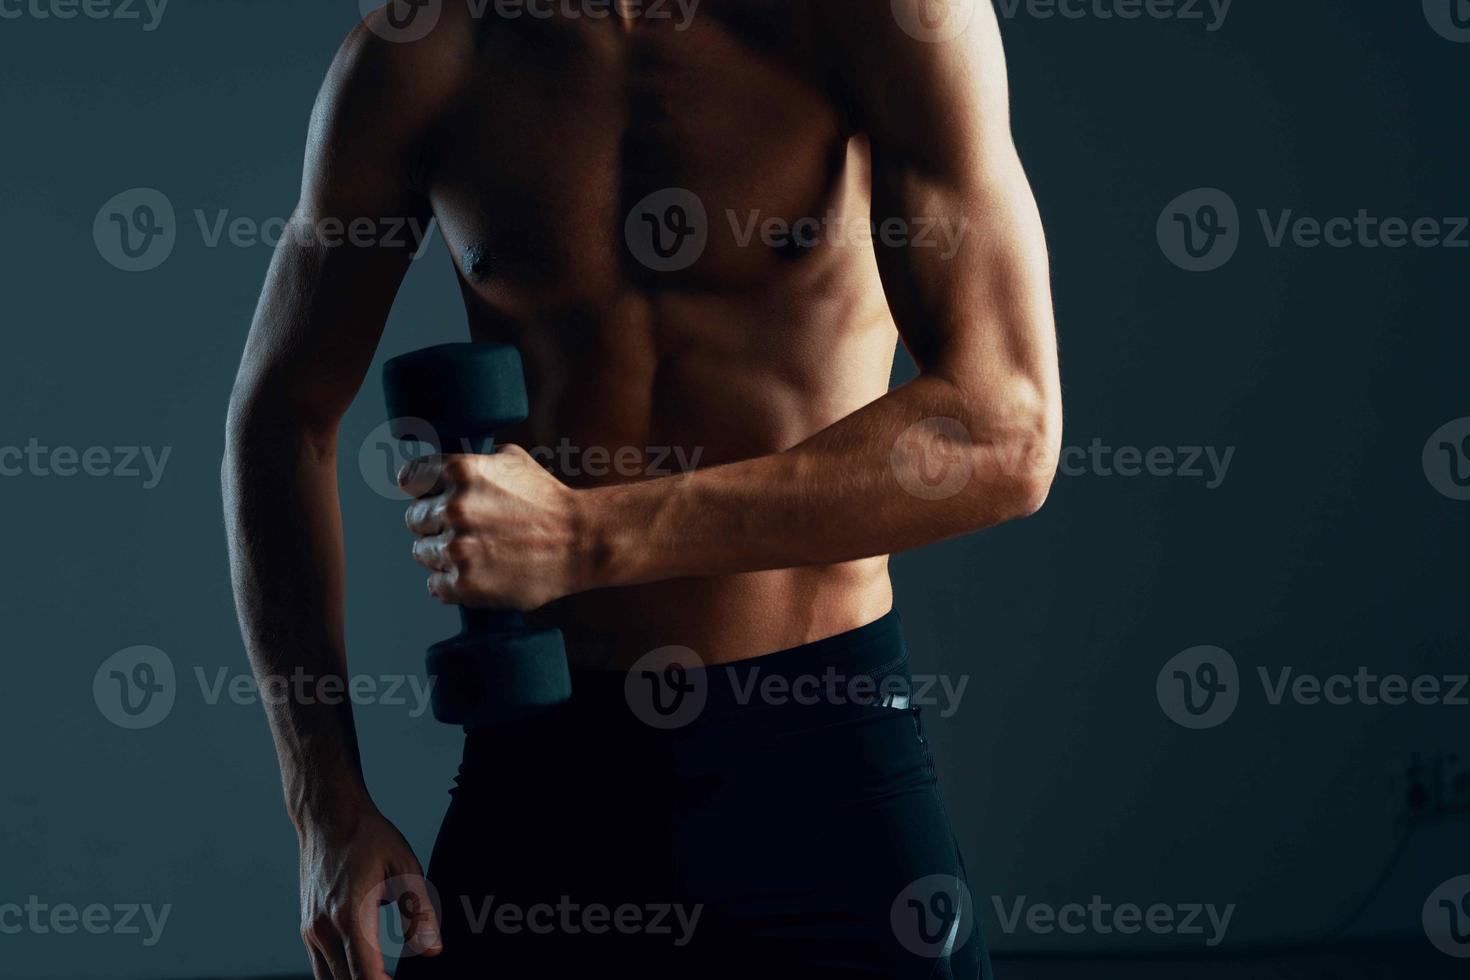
496, 531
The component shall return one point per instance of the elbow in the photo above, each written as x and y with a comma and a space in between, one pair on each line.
1030, 494
1022, 488
1020, 459
262, 422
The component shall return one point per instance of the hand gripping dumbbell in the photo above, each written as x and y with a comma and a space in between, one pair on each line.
499, 668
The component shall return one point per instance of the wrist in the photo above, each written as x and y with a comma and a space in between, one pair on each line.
607, 552
325, 806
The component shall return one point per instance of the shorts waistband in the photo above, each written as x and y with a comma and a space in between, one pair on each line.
855, 664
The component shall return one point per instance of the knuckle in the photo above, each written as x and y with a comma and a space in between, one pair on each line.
458, 550
456, 509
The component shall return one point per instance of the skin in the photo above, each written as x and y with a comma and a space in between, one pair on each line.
529, 140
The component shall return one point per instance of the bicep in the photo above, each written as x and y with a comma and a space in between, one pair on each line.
344, 252
967, 279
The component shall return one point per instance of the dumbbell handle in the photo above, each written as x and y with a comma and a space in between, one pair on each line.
482, 621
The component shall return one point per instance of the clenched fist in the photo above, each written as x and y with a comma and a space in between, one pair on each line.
496, 531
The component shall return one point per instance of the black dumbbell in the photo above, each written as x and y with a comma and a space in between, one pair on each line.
456, 397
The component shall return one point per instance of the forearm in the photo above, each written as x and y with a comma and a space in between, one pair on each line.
284, 525
927, 462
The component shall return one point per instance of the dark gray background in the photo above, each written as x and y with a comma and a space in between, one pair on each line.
1325, 549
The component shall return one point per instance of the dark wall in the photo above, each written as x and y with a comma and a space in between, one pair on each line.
1327, 546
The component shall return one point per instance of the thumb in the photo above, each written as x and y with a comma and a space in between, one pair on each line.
418, 907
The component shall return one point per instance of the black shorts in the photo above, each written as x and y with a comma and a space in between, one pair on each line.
775, 818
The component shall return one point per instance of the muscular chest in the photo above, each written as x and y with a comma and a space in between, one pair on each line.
678, 151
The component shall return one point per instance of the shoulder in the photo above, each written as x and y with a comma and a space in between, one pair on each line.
388, 86
400, 63
916, 65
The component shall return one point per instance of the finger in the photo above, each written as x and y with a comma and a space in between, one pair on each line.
360, 946
427, 475
319, 968
444, 586
426, 516
420, 918
332, 951
432, 553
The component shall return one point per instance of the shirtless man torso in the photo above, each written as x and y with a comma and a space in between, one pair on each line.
705, 226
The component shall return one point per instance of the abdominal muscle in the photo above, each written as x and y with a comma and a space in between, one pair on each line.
646, 390
726, 618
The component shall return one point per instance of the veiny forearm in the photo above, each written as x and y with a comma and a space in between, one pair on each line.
846, 493
285, 538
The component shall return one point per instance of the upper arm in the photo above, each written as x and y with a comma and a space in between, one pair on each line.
968, 284
351, 236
